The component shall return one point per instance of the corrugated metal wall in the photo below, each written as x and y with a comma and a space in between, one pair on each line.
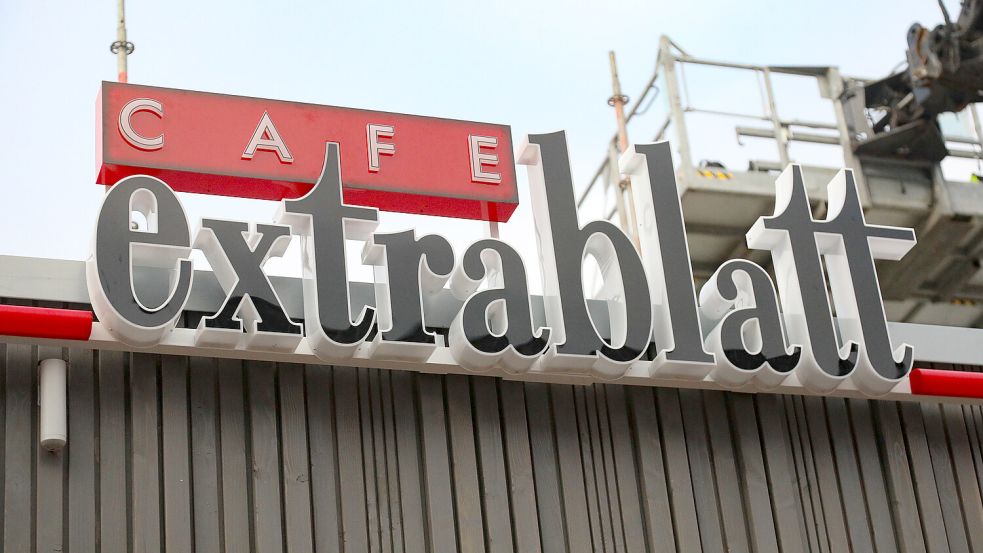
177, 454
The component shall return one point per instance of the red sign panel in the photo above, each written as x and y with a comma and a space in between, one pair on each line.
268, 149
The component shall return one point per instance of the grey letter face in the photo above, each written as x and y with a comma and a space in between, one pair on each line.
406, 256
774, 350
848, 245
325, 213
570, 242
515, 296
117, 244
863, 290
245, 262
687, 336
796, 220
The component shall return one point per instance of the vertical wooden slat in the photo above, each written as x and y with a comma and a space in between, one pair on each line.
753, 474
267, 517
235, 471
50, 481
408, 451
872, 474
701, 470
113, 512
609, 477
368, 462
296, 467
491, 453
965, 472
355, 533
467, 490
924, 479
782, 477
829, 491
378, 439
677, 466
898, 475
324, 463
144, 421
176, 454
206, 494
436, 470
521, 482
598, 539
970, 413
82, 483
624, 464
730, 497
785, 411
19, 445
605, 496
571, 474
392, 460
945, 480
654, 493
809, 486
548, 500
858, 520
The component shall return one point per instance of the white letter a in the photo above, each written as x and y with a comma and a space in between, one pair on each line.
265, 137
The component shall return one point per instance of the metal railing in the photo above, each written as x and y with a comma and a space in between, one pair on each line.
670, 64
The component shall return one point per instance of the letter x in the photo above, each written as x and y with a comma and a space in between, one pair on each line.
237, 256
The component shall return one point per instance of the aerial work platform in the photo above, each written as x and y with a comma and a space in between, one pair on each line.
727, 161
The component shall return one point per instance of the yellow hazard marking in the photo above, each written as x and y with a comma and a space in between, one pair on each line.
720, 175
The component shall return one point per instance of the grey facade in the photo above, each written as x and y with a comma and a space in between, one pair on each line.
194, 454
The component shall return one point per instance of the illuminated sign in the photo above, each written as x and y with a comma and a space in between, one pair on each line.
272, 150
767, 330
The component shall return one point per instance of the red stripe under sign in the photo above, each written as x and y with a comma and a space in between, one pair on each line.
45, 322
934, 382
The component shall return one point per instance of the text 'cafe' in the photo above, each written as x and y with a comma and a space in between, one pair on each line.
443, 406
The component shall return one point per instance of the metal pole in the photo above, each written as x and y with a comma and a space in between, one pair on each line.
121, 37
834, 86
614, 177
649, 86
780, 135
668, 60
618, 101
122, 47
626, 214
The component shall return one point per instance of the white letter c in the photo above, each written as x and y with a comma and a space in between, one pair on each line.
135, 139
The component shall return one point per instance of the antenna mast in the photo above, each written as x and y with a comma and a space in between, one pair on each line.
121, 47
626, 213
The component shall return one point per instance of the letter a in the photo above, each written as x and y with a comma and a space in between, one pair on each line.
266, 137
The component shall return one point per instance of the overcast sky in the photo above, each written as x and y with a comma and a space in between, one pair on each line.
538, 66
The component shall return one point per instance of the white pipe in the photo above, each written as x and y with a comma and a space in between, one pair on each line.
53, 428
